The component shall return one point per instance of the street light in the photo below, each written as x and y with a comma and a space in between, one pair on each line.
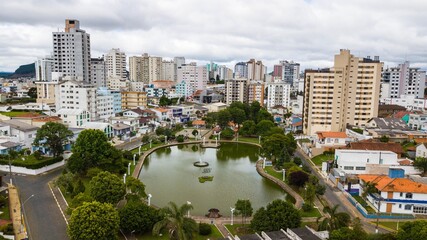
284, 174
378, 212
129, 169
124, 178
188, 213
232, 211
149, 198
259, 139
139, 151
22, 211
150, 142
134, 156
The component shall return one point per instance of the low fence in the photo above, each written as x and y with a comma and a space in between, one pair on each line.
23, 170
365, 213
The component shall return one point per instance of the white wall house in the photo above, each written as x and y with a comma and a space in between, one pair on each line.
133, 122
17, 131
397, 195
74, 117
355, 161
421, 150
331, 139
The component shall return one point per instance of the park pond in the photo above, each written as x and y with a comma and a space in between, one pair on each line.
169, 175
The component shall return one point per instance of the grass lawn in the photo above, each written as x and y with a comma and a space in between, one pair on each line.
14, 113
270, 170
214, 235
238, 229
313, 213
304, 140
317, 160
391, 225
362, 202
249, 139
5, 209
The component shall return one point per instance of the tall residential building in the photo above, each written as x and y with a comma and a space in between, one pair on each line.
225, 73
71, 51
256, 70
178, 62
286, 71
44, 83
236, 90
278, 94
131, 100
115, 62
404, 80
196, 77
167, 71
256, 91
145, 68
44, 67
98, 72
241, 70
347, 94
278, 71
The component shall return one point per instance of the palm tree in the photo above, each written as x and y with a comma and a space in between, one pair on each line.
180, 227
334, 219
368, 188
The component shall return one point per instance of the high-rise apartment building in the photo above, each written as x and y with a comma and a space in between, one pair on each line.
404, 80
98, 72
178, 61
286, 71
44, 67
196, 77
256, 70
131, 100
225, 73
347, 94
241, 70
236, 90
71, 51
115, 61
256, 91
278, 94
167, 71
145, 68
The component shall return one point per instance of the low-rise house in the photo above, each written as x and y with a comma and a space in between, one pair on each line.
387, 124
421, 150
133, 122
162, 114
121, 130
73, 117
199, 123
331, 139
355, 161
416, 121
378, 146
216, 107
6, 146
396, 194
104, 127
16, 131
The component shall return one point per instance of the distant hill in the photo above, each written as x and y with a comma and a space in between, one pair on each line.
5, 74
28, 70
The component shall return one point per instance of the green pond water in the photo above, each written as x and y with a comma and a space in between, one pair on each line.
169, 175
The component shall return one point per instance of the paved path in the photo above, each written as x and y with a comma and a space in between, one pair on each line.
284, 186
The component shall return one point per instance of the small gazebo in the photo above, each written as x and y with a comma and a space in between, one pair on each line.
213, 213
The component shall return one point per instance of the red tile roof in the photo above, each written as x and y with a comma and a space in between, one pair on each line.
377, 146
323, 135
387, 184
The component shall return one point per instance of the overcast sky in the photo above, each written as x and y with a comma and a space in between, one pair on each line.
224, 31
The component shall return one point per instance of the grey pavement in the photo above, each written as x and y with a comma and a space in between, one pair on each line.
43, 217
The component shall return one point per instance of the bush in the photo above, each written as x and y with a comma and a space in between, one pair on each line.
297, 161
307, 207
30, 165
37, 155
92, 172
8, 230
2, 201
204, 229
180, 138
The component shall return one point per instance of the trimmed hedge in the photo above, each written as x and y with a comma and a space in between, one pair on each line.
32, 165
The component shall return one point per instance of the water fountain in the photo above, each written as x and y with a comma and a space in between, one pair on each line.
200, 163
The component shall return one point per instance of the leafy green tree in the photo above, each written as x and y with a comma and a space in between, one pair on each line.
263, 127
79, 188
227, 133
277, 215
237, 115
384, 138
180, 138
275, 147
346, 234
275, 130
107, 187
421, 164
243, 208
248, 128
160, 131
92, 149
310, 194
145, 139
32, 92
223, 118
334, 219
320, 189
369, 188
94, 221
195, 132
137, 216
263, 114
244, 106
53, 136
136, 187
254, 109
164, 101
180, 227
79, 199
298, 178
66, 181
412, 230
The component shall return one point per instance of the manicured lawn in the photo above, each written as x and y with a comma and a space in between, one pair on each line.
214, 235
317, 160
238, 229
362, 202
14, 114
391, 225
313, 213
304, 140
270, 170
248, 139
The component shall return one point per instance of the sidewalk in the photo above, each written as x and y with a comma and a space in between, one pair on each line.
15, 213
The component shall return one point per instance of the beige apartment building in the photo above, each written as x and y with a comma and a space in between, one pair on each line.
346, 94
236, 90
256, 91
132, 100
145, 68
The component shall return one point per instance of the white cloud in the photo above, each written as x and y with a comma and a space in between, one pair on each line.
309, 32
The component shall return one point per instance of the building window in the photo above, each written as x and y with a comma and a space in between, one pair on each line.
420, 209
408, 195
401, 194
361, 168
408, 207
400, 205
348, 168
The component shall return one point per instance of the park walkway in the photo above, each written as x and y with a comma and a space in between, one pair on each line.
284, 186
15, 213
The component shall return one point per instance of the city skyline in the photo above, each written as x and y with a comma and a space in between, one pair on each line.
308, 32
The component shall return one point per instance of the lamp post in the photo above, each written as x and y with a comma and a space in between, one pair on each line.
216, 140
129, 169
188, 212
22, 211
149, 199
150, 142
259, 139
134, 156
263, 162
139, 151
166, 139
232, 212
284, 174
124, 178
219, 136
378, 213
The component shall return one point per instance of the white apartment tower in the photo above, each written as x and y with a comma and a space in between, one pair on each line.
256, 70
196, 77
347, 94
256, 91
98, 72
404, 80
241, 70
225, 73
115, 62
278, 94
167, 71
71, 51
44, 67
236, 90
178, 62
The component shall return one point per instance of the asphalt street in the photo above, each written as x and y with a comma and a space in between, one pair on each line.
43, 217
331, 196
